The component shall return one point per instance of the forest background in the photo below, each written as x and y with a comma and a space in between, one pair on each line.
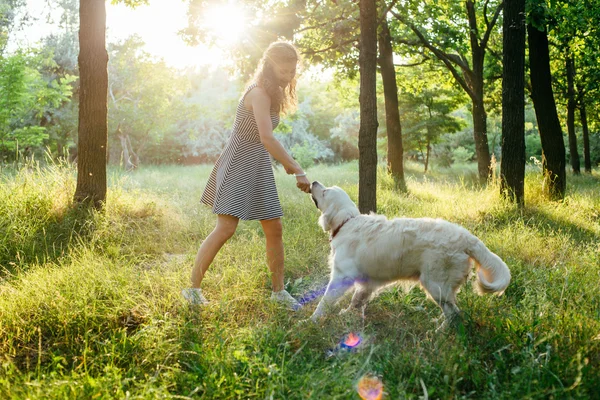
163, 114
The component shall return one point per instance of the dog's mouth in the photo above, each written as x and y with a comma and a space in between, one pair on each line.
313, 186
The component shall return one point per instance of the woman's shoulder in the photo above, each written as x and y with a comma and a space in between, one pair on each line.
256, 90
257, 93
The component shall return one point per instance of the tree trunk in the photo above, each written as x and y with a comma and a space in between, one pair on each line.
134, 155
395, 151
427, 154
512, 167
367, 135
480, 120
126, 156
553, 146
574, 156
587, 161
482, 148
93, 127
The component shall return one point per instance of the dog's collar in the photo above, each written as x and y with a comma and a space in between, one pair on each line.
336, 230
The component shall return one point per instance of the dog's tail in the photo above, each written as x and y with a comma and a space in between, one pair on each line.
493, 275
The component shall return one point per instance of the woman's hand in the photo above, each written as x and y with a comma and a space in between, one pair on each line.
303, 183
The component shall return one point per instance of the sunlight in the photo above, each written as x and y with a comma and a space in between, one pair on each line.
158, 25
226, 21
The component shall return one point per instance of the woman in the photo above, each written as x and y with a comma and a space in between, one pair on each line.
242, 185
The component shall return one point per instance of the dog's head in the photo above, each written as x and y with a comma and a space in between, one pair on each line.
335, 205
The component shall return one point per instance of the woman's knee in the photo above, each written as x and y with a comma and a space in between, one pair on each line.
226, 227
273, 228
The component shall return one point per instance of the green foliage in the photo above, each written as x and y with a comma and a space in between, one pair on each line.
461, 155
330, 33
428, 102
9, 9
91, 305
25, 97
145, 97
344, 135
304, 154
296, 137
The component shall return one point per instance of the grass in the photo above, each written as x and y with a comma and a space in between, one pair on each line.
90, 302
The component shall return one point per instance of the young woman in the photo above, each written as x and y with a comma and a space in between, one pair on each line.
242, 185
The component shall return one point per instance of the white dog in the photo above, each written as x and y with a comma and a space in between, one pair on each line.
370, 251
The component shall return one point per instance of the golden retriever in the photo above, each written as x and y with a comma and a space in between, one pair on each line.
370, 251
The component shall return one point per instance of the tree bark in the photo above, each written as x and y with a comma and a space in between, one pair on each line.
479, 115
136, 158
553, 146
367, 135
512, 167
587, 161
395, 151
571, 104
427, 154
93, 108
480, 121
126, 156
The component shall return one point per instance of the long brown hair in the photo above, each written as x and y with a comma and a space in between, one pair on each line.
282, 100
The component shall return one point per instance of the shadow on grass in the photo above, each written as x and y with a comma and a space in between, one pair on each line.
45, 241
544, 222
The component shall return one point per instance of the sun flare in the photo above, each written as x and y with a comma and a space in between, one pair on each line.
226, 21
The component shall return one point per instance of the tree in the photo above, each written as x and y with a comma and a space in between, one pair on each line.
143, 96
444, 39
553, 147
93, 108
571, 106
395, 151
26, 96
574, 30
271, 21
329, 36
9, 9
367, 137
512, 168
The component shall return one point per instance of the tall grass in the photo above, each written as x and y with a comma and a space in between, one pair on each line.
90, 302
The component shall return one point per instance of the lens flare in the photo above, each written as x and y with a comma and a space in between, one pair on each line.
351, 341
370, 388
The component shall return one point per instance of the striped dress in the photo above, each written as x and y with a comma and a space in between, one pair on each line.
241, 183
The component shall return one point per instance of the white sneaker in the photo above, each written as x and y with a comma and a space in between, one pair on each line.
194, 296
283, 297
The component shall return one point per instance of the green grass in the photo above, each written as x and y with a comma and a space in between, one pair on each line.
90, 302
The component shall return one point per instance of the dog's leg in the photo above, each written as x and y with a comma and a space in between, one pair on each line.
361, 294
338, 285
444, 296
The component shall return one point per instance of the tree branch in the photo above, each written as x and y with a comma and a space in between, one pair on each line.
442, 56
485, 17
490, 27
473, 31
423, 61
387, 10
333, 46
340, 18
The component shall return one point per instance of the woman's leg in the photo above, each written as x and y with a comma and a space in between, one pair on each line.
275, 256
226, 226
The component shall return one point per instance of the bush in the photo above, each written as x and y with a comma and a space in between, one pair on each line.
461, 155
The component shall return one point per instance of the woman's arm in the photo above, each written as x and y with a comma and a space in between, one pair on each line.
261, 107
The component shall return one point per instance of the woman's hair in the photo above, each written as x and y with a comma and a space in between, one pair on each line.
277, 53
